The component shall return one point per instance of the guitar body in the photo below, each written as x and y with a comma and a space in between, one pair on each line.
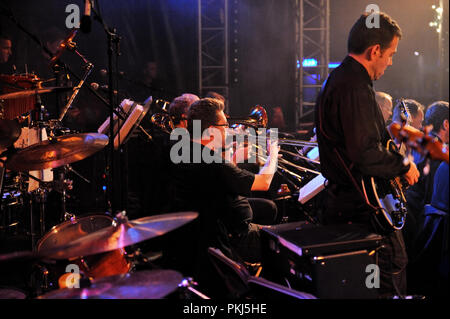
388, 198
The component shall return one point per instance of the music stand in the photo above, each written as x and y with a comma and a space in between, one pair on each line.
133, 114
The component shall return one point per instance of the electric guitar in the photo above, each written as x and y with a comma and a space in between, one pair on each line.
387, 197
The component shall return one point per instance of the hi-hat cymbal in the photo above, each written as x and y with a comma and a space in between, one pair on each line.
146, 284
9, 132
56, 152
122, 234
31, 92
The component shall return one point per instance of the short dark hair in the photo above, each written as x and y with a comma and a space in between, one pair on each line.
177, 108
412, 106
436, 114
206, 110
361, 37
215, 95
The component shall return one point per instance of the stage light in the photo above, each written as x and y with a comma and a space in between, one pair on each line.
333, 65
309, 62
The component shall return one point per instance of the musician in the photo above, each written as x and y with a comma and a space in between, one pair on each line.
384, 101
431, 255
415, 111
215, 95
5, 48
5, 54
179, 107
217, 190
420, 194
351, 137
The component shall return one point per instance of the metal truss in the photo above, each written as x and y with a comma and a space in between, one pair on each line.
312, 37
213, 60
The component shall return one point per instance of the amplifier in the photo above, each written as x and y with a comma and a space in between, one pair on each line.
329, 262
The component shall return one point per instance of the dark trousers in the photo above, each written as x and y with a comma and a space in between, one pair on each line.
346, 205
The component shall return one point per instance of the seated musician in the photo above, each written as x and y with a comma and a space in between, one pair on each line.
419, 195
384, 101
431, 255
217, 190
179, 107
5, 54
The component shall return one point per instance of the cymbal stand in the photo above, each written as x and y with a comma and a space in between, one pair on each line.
41, 192
62, 185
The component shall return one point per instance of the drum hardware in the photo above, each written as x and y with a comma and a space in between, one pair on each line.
187, 289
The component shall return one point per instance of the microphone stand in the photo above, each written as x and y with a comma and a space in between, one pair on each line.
113, 47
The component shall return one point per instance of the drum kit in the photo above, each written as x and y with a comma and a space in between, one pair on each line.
82, 257
92, 245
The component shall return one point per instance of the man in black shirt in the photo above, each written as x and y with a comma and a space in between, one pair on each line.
217, 189
352, 137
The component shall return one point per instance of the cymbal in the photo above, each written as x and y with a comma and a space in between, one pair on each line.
28, 93
146, 284
122, 234
9, 132
56, 152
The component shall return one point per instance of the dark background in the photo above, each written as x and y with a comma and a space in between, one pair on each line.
166, 31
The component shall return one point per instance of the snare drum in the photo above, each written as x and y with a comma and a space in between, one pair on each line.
94, 266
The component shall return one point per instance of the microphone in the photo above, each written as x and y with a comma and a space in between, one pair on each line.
86, 23
98, 87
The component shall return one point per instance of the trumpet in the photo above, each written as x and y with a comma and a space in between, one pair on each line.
163, 121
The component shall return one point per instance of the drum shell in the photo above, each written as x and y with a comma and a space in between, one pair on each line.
94, 266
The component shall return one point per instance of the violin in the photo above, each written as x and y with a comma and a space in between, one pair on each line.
420, 141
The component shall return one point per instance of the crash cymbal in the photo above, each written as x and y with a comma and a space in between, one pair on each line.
57, 151
9, 132
123, 233
146, 284
28, 93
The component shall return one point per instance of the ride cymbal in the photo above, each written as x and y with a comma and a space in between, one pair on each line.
57, 152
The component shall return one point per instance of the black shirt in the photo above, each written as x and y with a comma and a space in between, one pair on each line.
215, 190
349, 119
